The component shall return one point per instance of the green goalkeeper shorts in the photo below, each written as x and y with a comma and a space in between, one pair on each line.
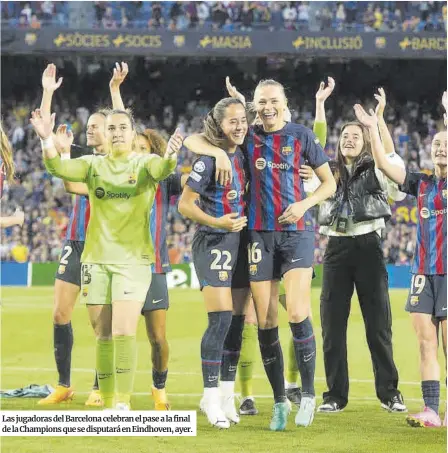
102, 284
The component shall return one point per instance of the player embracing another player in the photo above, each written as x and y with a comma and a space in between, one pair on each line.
427, 301
281, 237
220, 256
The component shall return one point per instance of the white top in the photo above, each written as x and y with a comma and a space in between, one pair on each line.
360, 228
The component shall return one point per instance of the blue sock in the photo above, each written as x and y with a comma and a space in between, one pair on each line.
159, 378
271, 354
232, 348
305, 349
431, 394
212, 345
63, 344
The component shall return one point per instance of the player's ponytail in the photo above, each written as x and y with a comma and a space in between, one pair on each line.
6, 155
212, 123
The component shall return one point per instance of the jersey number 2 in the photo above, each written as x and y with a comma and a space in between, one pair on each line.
67, 252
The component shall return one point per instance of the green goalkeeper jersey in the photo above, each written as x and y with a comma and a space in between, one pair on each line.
121, 194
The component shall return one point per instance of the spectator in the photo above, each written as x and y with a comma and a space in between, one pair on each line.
35, 23
304, 15
108, 19
27, 12
47, 12
276, 17
340, 16
156, 19
290, 16
247, 17
378, 18
219, 16
324, 19
369, 18
203, 13
191, 11
100, 9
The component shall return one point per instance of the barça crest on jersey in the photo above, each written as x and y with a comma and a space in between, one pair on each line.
287, 150
223, 276
253, 269
414, 300
61, 269
132, 179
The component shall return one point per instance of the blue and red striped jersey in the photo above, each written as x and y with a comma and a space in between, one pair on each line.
79, 219
158, 220
274, 160
215, 199
430, 247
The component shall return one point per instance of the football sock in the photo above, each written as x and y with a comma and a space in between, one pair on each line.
212, 345
125, 364
106, 371
63, 344
232, 348
305, 349
159, 378
431, 394
247, 356
271, 354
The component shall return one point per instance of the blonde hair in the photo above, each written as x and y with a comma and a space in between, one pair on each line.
6, 155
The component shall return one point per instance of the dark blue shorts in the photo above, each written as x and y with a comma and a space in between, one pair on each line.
428, 295
69, 269
157, 297
273, 253
216, 259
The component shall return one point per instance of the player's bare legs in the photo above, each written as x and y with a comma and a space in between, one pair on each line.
298, 301
426, 329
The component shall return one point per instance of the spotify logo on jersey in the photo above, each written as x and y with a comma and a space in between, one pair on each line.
260, 163
425, 213
99, 192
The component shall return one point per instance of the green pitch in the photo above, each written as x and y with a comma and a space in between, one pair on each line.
27, 357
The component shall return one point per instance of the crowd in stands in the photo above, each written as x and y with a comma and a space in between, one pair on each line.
47, 206
382, 16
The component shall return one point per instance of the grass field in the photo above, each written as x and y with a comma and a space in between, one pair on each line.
27, 357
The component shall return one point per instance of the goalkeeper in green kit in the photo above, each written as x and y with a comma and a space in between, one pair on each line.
116, 271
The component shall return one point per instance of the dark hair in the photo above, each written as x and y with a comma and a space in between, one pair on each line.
6, 155
366, 152
212, 122
157, 143
126, 112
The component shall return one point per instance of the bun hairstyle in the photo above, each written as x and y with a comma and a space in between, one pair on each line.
212, 123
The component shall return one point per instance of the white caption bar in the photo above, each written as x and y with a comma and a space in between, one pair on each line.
93, 423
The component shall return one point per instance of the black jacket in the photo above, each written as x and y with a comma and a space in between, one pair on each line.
366, 198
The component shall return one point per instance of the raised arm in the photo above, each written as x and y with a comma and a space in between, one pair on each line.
73, 170
63, 140
393, 172
320, 120
16, 219
385, 136
49, 86
120, 73
160, 168
198, 144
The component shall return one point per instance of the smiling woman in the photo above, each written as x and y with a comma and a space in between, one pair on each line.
116, 271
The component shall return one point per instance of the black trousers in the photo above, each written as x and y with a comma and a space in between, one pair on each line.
351, 262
